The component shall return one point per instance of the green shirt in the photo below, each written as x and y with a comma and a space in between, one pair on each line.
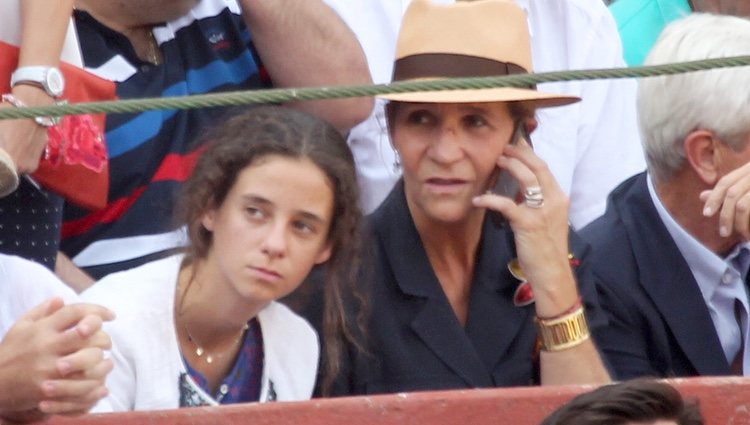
641, 21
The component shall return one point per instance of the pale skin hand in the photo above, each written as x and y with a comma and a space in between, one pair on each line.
542, 247
730, 197
44, 26
303, 43
541, 234
24, 140
59, 348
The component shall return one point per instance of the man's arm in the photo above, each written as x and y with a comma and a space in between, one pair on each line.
304, 43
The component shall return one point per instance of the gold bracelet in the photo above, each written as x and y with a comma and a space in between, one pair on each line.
564, 332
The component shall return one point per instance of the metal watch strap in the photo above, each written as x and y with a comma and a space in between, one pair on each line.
563, 332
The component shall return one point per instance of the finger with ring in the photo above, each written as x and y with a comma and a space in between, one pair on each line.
534, 197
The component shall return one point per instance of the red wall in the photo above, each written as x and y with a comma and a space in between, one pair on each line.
723, 401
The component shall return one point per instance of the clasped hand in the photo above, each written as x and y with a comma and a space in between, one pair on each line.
52, 361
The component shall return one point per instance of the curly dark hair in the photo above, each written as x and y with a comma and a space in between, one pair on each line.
252, 134
636, 401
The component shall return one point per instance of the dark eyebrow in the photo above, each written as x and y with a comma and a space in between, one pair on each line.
263, 201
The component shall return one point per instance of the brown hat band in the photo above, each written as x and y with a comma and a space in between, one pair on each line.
450, 65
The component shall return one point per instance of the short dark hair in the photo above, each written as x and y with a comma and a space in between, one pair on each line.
638, 400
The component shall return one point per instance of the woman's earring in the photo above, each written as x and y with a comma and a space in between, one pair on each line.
396, 161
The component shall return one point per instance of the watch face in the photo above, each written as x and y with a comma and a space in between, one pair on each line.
55, 82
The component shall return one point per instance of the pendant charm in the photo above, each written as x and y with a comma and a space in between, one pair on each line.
523, 295
199, 351
514, 267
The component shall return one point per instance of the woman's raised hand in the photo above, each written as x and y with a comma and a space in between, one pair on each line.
540, 225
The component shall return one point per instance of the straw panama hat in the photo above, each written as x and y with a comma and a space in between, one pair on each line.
466, 39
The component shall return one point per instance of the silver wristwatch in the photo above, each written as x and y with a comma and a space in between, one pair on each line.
47, 77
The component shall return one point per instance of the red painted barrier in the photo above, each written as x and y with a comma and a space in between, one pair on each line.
723, 401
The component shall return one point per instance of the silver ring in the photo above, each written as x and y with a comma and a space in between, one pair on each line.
535, 203
533, 192
534, 197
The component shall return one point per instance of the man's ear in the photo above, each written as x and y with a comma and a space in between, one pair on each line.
703, 153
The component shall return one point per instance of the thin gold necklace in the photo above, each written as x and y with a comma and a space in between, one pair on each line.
154, 51
200, 351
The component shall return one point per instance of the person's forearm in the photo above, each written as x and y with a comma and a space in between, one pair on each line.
579, 365
44, 25
304, 43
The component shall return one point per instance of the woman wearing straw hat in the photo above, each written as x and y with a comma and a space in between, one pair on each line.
459, 299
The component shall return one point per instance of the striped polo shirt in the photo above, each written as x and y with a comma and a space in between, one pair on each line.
152, 153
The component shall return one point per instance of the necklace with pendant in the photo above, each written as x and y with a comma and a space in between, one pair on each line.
208, 357
154, 51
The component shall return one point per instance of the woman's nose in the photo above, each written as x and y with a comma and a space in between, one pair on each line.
275, 241
447, 147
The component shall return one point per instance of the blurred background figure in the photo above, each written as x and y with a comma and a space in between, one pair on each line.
641, 21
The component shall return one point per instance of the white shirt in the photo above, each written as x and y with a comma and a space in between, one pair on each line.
590, 146
25, 284
721, 281
146, 353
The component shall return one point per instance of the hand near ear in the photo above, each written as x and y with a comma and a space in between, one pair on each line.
731, 198
52, 361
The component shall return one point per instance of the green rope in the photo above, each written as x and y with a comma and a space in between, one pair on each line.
335, 92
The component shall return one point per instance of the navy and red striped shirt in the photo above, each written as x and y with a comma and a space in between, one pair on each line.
152, 153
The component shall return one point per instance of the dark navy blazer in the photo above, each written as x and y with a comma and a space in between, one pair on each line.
415, 339
659, 324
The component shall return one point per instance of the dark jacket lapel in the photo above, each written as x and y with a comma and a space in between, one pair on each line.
666, 277
494, 321
434, 321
